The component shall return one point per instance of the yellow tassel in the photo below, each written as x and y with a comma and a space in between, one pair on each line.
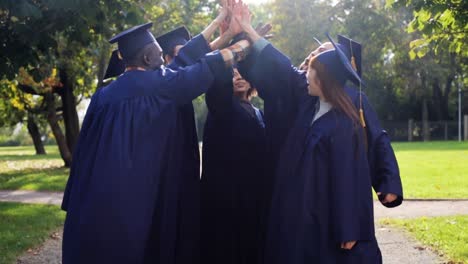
361, 116
119, 55
353, 63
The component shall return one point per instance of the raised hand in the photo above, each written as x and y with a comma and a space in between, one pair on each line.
263, 29
234, 25
242, 14
223, 16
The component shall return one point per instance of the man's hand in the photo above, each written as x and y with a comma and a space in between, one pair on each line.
263, 29
324, 47
348, 245
389, 197
242, 14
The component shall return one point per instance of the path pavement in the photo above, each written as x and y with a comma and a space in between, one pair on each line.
33, 197
396, 245
414, 209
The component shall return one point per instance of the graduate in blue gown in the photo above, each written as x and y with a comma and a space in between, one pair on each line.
382, 161
322, 200
125, 195
234, 177
179, 51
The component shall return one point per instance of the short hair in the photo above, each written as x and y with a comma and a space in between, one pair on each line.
137, 58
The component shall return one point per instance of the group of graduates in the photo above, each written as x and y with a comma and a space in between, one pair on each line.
292, 184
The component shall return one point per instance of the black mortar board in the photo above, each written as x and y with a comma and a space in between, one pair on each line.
354, 51
338, 64
169, 40
115, 67
132, 40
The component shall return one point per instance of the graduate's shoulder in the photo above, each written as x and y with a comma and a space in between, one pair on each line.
340, 122
131, 85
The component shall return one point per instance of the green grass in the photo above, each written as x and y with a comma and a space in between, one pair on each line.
25, 226
428, 170
446, 235
21, 169
433, 169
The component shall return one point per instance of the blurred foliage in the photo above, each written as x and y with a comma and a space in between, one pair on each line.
443, 25
397, 82
414, 51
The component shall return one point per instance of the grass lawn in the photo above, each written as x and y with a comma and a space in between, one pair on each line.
428, 170
20, 169
446, 235
25, 226
433, 169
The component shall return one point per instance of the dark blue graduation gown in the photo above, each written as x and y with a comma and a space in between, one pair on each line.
189, 227
382, 161
280, 110
322, 193
125, 195
234, 180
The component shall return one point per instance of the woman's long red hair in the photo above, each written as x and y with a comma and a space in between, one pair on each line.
334, 92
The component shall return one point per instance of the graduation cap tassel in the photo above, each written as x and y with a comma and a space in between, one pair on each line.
353, 59
353, 63
361, 112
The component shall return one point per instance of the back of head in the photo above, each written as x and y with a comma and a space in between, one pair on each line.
138, 47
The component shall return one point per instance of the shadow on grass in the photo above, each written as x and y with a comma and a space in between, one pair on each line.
47, 179
25, 226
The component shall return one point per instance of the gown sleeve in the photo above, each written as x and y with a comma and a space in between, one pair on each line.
219, 97
385, 173
187, 83
350, 186
193, 50
88, 120
283, 89
273, 75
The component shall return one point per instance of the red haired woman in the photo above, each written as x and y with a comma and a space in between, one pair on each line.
322, 207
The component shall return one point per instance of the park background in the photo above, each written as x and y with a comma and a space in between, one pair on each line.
53, 54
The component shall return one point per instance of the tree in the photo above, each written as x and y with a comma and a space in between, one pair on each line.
71, 37
296, 23
16, 109
443, 25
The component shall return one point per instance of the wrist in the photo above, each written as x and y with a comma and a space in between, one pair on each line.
228, 34
253, 35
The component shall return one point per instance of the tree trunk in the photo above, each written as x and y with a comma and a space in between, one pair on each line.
70, 115
33, 130
425, 121
437, 99
56, 130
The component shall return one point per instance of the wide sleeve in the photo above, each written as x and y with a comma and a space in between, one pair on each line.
384, 166
76, 160
193, 50
219, 97
274, 76
350, 187
283, 89
187, 83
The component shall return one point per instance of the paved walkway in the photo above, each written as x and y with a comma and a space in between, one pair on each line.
33, 197
414, 209
396, 245
399, 248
